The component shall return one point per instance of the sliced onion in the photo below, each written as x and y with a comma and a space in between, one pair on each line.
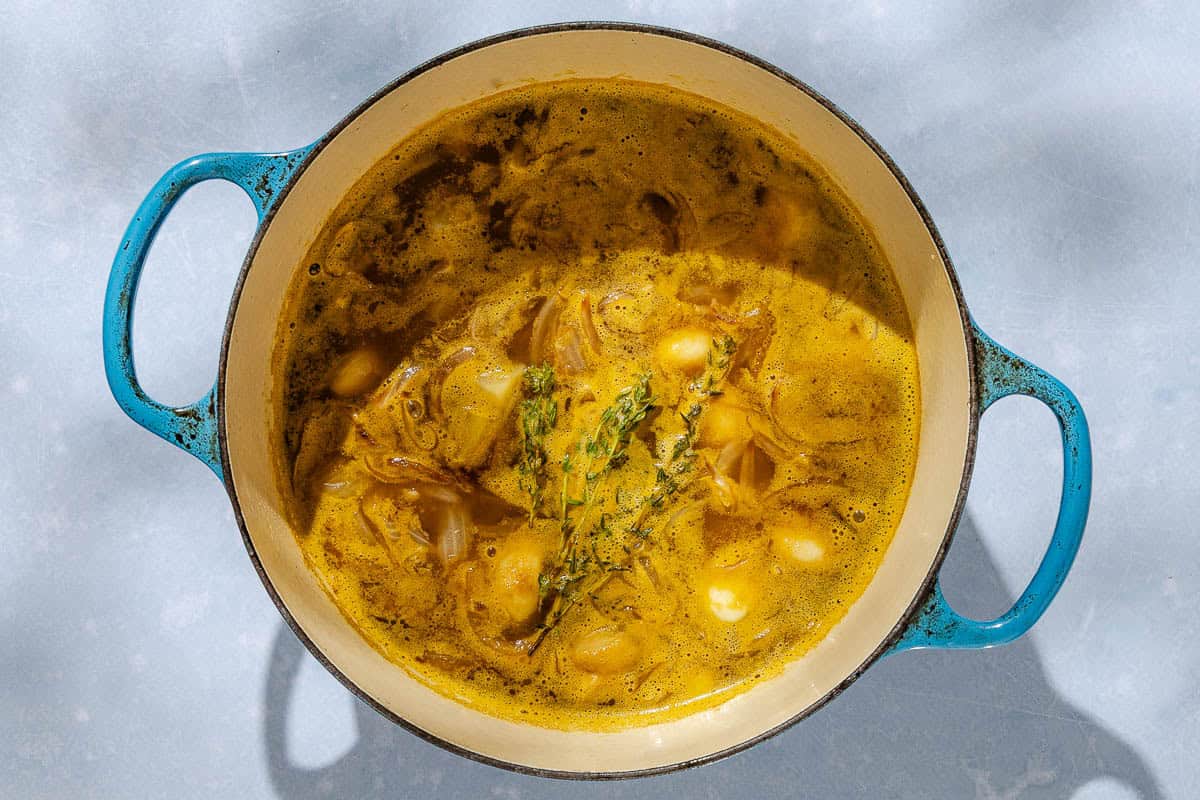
726, 228
680, 513
438, 492
706, 294
729, 455
735, 319
746, 474
402, 469
610, 298
624, 324
725, 491
452, 533
475, 327
487, 323
391, 531
451, 361
370, 531
425, 437
773, 418
397, 383
648, 567
724, 488
589, 327
729, 318
764, 437
686, 227
543, 323
817, 444
350, 487
571, 354
365, 530
418, 535
773, 449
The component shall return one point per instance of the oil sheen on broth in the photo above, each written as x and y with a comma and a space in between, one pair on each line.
597, 404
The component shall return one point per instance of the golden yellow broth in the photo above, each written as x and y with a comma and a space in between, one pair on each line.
609, 230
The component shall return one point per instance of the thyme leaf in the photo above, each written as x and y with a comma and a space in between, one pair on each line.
585, 468
675, 473
539, 413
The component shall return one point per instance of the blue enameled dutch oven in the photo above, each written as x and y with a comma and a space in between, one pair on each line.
962, 373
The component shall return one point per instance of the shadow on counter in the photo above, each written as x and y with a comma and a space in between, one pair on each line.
983, 724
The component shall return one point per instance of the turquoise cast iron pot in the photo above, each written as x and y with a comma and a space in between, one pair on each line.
962, 373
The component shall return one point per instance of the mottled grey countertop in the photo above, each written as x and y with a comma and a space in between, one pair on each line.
1056, 145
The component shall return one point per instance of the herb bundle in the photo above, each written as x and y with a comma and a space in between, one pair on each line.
585, 468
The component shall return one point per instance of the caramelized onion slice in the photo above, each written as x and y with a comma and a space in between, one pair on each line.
589, 327
543, 326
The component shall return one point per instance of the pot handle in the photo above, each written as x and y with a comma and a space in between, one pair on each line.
999, 374
191, 427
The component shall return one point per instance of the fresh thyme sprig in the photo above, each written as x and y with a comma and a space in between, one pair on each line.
720, 358
587, 465
539, 413
673, 474
600, 452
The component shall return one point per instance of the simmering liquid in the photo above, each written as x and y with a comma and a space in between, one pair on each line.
597, 404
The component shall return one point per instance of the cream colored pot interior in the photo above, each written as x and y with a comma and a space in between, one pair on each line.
945, 383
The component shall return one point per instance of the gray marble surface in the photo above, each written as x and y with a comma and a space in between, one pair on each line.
1056, 145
